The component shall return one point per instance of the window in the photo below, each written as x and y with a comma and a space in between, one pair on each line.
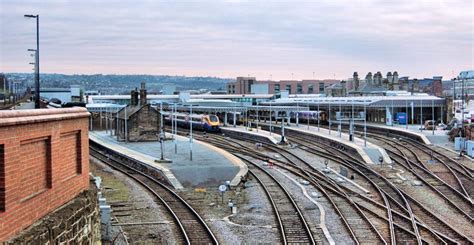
249, 85
321, 88
310, 88
299, 89
213, 118
288, 88
277, 88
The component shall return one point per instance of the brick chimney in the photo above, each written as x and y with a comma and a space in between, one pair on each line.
355, 77
142, 94
132, 97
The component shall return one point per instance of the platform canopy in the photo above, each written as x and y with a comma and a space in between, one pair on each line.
104, 107
271, 107
209, 109
369, 101
230, 109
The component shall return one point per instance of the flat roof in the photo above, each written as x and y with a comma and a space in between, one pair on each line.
192, 96
369, 101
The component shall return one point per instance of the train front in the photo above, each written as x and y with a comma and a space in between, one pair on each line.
213, 123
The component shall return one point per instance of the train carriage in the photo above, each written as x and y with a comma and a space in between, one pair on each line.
204, 122
312, 116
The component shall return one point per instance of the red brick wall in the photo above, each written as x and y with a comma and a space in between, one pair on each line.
44, 163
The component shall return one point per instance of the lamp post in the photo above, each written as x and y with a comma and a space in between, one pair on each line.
421, 117
175, 127
37, 75
309, 112
297, 115
257, 116
162, 133
406, 113
340, 118
318, 114
329, 117
365, 124
271, 129
191, 132
351, 136
432, 116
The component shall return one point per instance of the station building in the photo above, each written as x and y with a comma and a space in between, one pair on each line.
138, 121
418, 107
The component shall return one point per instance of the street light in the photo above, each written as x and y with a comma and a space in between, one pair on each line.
37, 75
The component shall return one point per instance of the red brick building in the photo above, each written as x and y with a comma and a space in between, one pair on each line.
44, 163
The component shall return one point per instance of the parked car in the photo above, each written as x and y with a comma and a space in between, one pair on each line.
430, 125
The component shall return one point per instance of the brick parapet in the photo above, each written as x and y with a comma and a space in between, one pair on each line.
18, 117
44, 163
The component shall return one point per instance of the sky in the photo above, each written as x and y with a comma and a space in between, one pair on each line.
265, 39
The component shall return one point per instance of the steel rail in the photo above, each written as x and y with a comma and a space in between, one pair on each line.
109, 159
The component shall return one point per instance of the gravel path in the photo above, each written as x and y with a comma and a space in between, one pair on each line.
131, 203
254, 222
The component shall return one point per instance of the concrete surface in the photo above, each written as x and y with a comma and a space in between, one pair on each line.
412, 129
275, 138
370, 152
210, 166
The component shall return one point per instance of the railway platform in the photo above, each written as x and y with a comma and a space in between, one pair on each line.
413, 131
370, 153
210, 165
272, 137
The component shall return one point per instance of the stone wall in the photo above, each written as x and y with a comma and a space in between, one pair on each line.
76, 222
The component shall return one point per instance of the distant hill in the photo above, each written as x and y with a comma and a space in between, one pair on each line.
122, 84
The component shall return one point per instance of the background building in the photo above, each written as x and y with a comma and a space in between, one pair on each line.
463, 83
249, 85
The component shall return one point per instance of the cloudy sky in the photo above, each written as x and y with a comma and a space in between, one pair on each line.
417, 38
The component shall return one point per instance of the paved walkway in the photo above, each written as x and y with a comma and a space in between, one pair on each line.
211, 166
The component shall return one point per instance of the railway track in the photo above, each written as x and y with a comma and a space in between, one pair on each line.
188, 222
403, 157
293, 226
423, 215
405, 221
438, 234
463, 177
402, 224
357, 224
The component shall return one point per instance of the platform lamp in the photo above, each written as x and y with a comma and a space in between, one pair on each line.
406, 113
432, 116
37, 75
